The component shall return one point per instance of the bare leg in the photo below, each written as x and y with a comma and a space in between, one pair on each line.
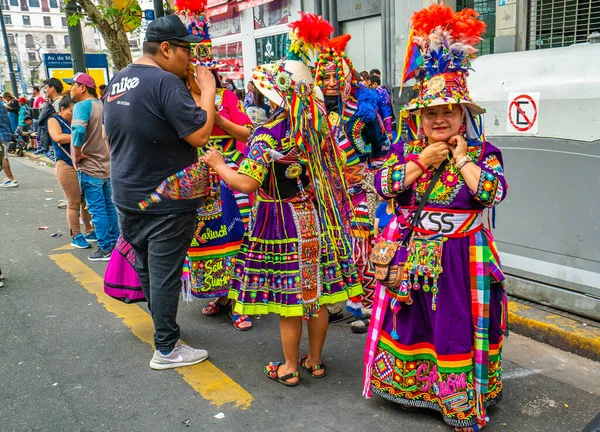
7, 170
291, 332
317, 332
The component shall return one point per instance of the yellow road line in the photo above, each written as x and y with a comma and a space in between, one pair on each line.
208, 380
63, 248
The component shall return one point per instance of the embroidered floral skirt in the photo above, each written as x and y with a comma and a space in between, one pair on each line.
425, 358
285, 266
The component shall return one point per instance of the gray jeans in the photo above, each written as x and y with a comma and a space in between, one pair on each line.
160, 243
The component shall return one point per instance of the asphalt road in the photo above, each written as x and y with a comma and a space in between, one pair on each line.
74, 360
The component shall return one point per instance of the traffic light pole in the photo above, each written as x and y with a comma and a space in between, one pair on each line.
159, 9
76, 40
11, 71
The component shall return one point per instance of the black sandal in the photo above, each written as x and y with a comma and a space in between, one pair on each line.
314, 368
271, 371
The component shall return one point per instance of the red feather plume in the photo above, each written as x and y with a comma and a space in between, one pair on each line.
338, 43
312, 29
427, 20
467, 28
463, 26
191, 5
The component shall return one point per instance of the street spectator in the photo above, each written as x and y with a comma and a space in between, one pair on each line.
38, 99
53, 88
170, 127
240, 94
23, 132
249, 98
365, 78
230, 85
91, 158
24, 111
6, 136
12, 107
258, 110
384, 104
102, 89
59, 128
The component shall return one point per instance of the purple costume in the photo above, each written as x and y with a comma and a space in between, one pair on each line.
438, 341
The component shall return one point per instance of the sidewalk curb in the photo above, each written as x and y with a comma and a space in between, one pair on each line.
555, 330
39, 158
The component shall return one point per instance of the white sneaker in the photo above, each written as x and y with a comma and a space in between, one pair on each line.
9, 184
182, 355
1, 284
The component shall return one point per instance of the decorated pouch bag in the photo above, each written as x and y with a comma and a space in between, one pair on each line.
388, 256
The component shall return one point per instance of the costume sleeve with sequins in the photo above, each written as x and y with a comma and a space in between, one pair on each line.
384, 104
259, 155
389, 180
492, 186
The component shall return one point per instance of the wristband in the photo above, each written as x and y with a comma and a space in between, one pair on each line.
461, 163
415, 158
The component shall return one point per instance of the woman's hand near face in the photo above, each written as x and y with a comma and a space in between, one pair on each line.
434, 154
458, 147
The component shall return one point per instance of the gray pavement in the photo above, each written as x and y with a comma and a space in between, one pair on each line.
69, 364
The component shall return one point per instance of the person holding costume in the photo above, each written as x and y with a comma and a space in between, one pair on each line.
360, 134
438, 343
296, 255
222, 216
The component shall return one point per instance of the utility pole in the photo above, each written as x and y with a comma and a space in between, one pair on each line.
11, 71
159, 9
76, 40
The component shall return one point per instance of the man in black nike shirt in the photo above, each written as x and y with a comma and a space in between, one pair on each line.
153, 127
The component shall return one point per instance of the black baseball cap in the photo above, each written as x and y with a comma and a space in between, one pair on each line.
168, 28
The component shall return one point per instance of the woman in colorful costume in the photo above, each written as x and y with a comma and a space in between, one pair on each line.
360, 134
296, 255
224, 214
438, 341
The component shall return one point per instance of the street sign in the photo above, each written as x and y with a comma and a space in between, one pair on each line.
148, 14
523, 113
60, 65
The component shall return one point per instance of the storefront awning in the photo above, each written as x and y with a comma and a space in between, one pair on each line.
246, 4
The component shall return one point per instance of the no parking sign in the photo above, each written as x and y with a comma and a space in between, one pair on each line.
523, 113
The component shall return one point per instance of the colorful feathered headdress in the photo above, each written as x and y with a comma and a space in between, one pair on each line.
441, 51
333, 59
193, 14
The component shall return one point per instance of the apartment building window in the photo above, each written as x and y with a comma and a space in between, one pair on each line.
67, 41
487, 13
29, 41
14, 2
31, 56
47, 21
53, 4
7, 20
14, 58
5, 5
554, 23
34, 3
63, 21
26, 20
11, 40
50, 41
24, 6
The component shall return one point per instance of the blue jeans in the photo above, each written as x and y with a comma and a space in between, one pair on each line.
13, 118
98, 197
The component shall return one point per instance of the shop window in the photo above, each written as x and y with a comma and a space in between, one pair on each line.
225, 24
271, 14
270, 48
231, 57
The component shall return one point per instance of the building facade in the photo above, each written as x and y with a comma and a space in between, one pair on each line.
34, 28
